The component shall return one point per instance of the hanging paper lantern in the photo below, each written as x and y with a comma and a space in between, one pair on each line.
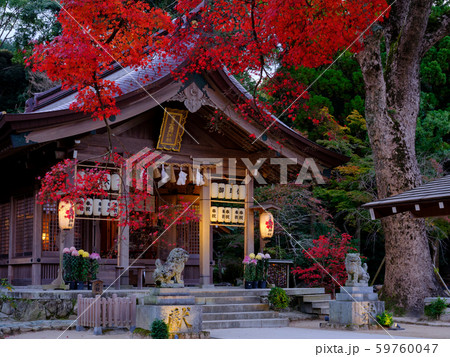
214, 213
88, 206
266, 225
242, 192
241, 215
97, 207
105, 207
235, 215
221, 215
221, 190
106, 184
227, 214
66, 215
79, 207
235, 194
114, 208
115, 182
214, 190
228, 191
80, 178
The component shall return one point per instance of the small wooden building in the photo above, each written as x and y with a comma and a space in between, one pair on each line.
48, 132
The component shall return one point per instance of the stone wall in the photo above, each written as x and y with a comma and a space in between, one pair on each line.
29, 305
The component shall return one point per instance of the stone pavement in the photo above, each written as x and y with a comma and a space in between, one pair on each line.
293, 333
9, 327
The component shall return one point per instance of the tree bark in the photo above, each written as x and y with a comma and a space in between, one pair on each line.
392, 107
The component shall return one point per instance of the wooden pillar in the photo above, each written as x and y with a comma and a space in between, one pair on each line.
249, 230
123, 255
123, 244
37, 245
205, 235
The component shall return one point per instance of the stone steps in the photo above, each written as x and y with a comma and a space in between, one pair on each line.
316, 304
214, 316
216, 300
253, 323
234, 308
251, 292
316, 297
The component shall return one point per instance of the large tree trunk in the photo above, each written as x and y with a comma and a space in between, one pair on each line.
392, 106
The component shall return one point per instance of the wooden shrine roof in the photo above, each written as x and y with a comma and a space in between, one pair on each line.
427, 200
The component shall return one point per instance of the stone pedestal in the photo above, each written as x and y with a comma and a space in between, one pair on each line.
175, 306
355, 306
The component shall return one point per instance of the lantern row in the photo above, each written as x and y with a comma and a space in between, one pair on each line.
112, 182
227, 214
228, 191
97, 207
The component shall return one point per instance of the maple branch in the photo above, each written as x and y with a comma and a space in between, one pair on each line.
115, 32
261, 57
437, 34
108, 127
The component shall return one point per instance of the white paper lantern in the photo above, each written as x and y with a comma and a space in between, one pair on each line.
221, 190
235, 195
97, 211
241, 215
221, 214
115, 182
105, 207
228, 191
227, 214
235, 215
242, 192
266, 225
114, 208
79, 207
80, 178
214, 190
106, 184
214, 214
88, 206
66, 215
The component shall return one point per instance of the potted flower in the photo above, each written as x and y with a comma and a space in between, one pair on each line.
250, 271
94, 265
260, 269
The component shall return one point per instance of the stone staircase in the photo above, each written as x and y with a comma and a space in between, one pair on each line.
236, 308
316, 304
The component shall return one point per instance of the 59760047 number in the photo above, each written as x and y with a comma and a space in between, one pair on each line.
406, 348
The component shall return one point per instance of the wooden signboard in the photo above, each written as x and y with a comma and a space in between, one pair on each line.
172, 129
97, 287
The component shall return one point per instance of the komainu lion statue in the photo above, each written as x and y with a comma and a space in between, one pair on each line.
172, 268
357, 274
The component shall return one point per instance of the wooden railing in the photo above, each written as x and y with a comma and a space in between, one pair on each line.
100, 312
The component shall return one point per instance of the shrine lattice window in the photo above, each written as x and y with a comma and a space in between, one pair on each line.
24, 226
5, 212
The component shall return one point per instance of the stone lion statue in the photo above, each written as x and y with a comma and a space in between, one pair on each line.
172, 268
357, 274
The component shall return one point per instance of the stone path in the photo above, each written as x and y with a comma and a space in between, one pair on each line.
13, 327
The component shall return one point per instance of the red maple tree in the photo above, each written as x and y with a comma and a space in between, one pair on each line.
242, 35
327, 257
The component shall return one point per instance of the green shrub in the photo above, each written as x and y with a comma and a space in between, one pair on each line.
278, 298
159, 330
436, 308
385, 319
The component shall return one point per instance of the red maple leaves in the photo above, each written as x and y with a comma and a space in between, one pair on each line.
243, 35
327, 257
